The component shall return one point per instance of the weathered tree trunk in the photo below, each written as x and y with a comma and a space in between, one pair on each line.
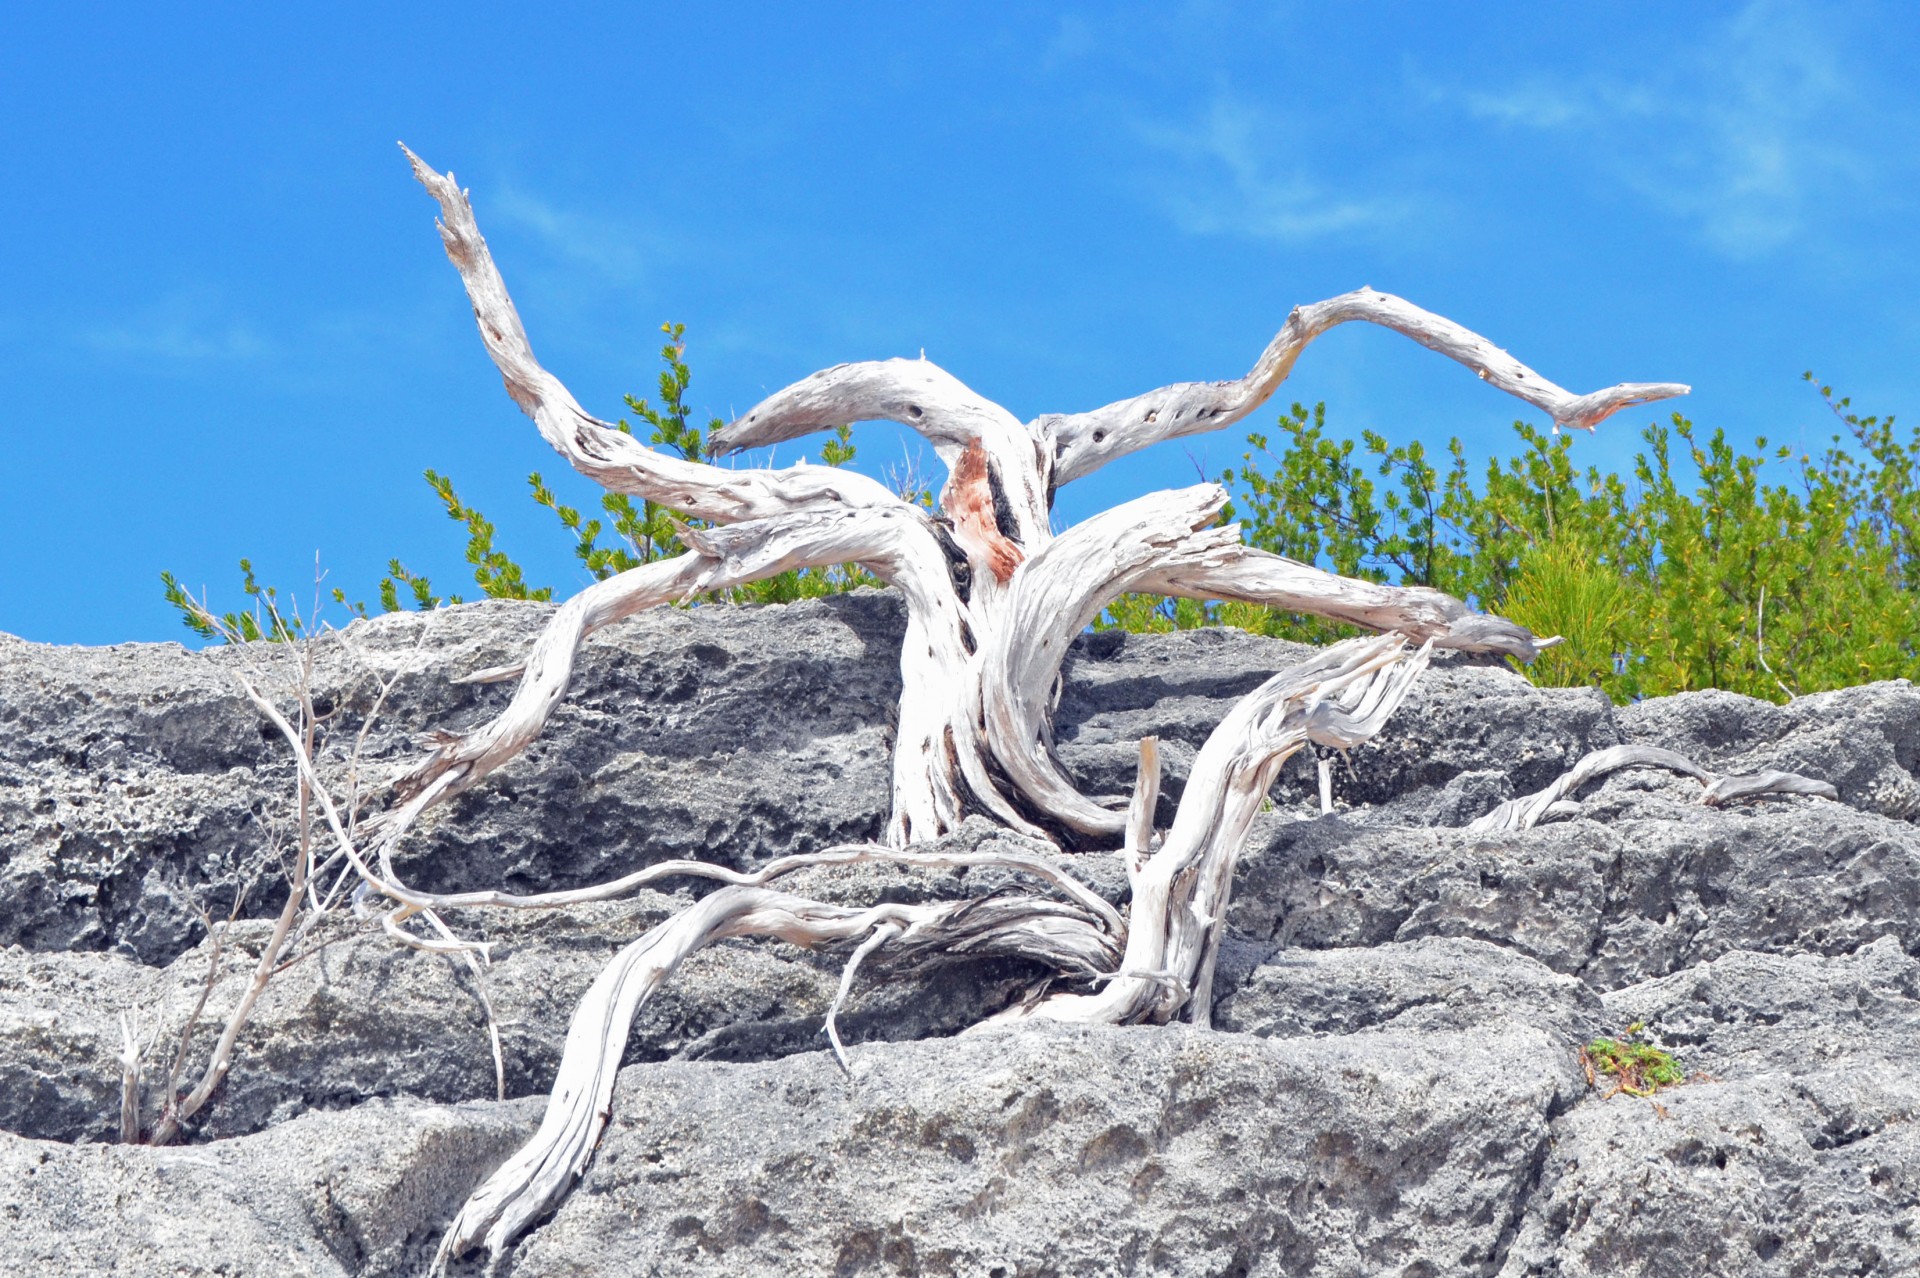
993, 601
993, 597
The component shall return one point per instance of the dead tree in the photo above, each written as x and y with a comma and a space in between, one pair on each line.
993, 598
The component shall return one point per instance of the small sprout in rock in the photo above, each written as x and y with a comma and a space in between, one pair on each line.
1638, 1068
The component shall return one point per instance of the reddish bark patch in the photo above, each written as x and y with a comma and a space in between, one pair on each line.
968, 501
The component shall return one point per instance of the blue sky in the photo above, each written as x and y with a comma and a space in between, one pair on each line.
228, 328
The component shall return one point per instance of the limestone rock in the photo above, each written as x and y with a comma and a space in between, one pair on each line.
1391, 1083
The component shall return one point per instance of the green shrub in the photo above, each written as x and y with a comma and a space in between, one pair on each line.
642, 533
1729, 578
1710, 572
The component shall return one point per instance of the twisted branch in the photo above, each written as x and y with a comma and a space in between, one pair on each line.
1081, 443
598, 449
528, 1185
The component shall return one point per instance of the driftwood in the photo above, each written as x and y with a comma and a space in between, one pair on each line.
993, 600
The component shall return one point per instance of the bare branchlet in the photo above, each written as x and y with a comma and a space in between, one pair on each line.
315, 887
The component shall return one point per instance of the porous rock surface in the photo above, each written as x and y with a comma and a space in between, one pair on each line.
1391, 1084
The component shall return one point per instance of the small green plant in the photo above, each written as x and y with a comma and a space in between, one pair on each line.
261, 620
642, 533
1637, 1067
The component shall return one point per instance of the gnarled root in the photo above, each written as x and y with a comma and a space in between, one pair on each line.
1158, 964
534, 1180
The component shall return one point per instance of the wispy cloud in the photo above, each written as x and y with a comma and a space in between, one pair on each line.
1558, 104
615, 251
1238, 176
184, 330
1073, 39
1751, 135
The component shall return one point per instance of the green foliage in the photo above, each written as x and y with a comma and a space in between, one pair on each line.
1636, 1067
1751, 570
641, 533
1562, 589
1703, 569
417, 586
261, 620
497, 576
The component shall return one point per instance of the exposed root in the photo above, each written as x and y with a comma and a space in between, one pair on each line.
527, 1185
881, 935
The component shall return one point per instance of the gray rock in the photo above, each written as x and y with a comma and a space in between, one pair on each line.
1639, 887
1749, 1014
1105, 1151
365, 1018
136, 781
1121, 687
1435, 985
1794, 1152
1392, 1084
1771, 1175
364, 1194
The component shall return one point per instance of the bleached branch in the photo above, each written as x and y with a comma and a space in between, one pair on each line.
598, 449
1081, 443
1529, 810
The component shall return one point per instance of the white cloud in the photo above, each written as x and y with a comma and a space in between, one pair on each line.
1753, 135
1237, 178
1548, 104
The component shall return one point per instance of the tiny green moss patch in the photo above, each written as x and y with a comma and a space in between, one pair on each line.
1635, 1067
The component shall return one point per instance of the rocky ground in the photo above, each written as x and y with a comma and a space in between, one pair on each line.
1392, 1087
